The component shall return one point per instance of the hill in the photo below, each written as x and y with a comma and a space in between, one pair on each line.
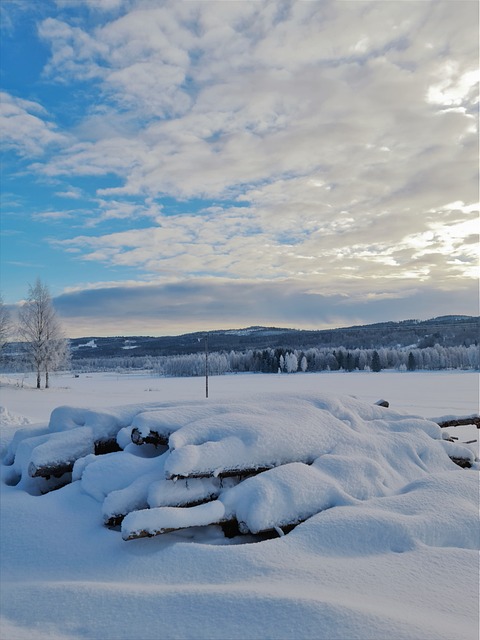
452, 330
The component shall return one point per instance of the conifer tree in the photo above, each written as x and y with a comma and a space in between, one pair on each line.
376, 366
411, 364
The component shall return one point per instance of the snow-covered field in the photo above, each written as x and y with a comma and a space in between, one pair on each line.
393, 551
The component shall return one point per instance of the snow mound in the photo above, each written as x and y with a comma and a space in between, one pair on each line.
253, 467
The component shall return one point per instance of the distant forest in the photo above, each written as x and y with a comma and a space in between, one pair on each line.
449, 342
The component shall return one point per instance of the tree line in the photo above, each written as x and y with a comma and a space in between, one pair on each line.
280, 360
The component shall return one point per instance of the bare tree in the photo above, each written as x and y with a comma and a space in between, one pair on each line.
45, 345
5, 325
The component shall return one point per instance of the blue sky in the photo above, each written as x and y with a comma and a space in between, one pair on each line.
178, 166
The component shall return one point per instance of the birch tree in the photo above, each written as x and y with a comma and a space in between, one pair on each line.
44, 342
5, 325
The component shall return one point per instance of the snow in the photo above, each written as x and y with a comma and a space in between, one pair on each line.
10, 418
66, 446
115, 471
91, 343
388, 546
168, 518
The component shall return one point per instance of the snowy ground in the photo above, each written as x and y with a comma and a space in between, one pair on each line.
399, 560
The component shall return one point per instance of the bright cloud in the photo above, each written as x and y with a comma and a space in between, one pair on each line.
25, 128
314, 143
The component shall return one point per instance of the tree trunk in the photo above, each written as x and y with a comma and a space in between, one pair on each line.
38, 378
46, 380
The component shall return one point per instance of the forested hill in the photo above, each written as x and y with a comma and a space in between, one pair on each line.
445, 330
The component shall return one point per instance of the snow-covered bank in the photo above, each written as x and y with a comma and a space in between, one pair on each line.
394, 555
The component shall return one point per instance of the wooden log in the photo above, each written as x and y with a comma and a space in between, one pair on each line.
230, 527
106, 446
242, 474
58, 453
461, 421
112, 522
47, 471
117, 519
147, 523
57, 469
465, 463
153, 437
151, 534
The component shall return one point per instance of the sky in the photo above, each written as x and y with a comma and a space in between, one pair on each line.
189, 166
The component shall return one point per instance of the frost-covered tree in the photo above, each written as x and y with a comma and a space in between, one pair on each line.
5, 325
45, 345
303, 364
291, 362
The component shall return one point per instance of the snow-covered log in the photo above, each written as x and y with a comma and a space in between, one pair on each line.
187, 492
148, 491
57, 455
152, 522
451, 421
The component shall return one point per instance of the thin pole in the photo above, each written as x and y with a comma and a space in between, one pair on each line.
206, 365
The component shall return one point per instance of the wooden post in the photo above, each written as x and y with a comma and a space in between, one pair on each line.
206, 365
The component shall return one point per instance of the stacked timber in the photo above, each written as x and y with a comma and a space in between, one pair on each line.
246, 468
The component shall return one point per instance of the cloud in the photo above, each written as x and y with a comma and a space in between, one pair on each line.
254, 96
329, 145
53, 215
73, 193
94, 5
202, 304
338, 250
25, 128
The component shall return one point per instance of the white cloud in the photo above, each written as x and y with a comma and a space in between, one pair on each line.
73, 193
52, 215
341, 128
25, 128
